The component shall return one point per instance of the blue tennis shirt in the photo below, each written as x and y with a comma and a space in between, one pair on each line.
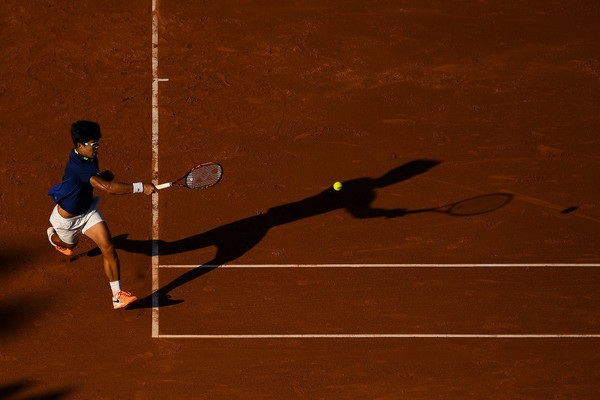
75, 193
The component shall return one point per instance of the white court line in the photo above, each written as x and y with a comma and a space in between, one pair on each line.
155, 230
534, 265
388, 336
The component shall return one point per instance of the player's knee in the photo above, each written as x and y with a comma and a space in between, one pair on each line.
107, 248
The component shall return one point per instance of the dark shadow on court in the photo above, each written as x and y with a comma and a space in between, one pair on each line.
8, 391
235, 239
16, 313
17, 309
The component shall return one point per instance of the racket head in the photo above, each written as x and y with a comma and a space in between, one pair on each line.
479, 205
203, 176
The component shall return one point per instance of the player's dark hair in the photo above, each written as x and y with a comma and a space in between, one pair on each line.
84, 131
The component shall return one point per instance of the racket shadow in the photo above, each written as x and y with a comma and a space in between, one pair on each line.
477, 205
235, 239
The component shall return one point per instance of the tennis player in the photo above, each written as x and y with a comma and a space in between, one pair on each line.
76, 209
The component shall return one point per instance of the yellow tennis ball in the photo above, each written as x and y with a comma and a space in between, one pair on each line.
337, 186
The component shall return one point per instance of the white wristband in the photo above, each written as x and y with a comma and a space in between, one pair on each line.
138, 187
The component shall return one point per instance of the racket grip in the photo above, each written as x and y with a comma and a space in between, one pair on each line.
164, 185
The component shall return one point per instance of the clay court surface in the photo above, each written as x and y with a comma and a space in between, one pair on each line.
272, 285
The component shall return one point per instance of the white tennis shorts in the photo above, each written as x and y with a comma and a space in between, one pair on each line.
69, 229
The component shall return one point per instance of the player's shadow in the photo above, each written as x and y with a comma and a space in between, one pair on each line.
234, 239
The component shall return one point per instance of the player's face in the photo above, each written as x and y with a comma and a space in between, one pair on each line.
88, 149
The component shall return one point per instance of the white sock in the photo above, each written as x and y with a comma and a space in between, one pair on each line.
115, 287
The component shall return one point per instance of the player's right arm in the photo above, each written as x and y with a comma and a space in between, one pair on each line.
118, 187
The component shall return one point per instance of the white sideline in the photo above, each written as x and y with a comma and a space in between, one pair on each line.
387, 336
155, 231
533, 265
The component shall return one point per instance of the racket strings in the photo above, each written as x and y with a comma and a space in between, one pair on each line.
203, 176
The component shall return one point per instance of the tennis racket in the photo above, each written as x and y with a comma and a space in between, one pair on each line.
201, 176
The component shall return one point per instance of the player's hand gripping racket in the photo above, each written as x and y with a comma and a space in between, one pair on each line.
202, 176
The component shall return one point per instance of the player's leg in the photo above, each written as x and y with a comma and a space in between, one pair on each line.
100, 234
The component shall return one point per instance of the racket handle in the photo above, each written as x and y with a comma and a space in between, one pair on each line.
164, 185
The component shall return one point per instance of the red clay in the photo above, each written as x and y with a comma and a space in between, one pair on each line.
291, 98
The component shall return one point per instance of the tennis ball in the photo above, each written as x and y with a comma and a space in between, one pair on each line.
337, 186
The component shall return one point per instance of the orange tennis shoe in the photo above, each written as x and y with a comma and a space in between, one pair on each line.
66, 251
123, 299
